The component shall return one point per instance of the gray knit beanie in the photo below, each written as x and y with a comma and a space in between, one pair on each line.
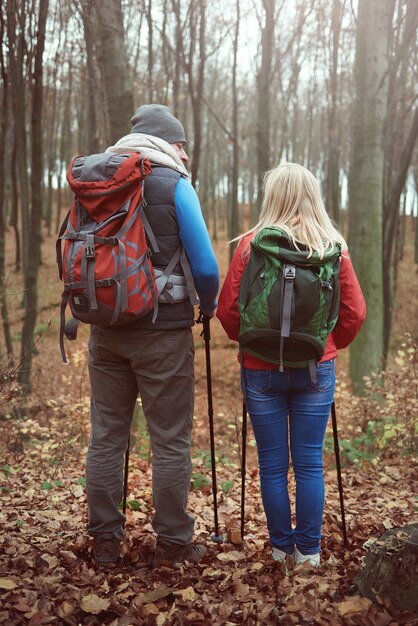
156, 120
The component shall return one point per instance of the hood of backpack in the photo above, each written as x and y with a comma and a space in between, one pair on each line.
275, 242
102, 183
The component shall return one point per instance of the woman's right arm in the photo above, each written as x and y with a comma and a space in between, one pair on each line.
352, 305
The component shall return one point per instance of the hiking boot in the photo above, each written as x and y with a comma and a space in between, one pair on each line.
168, 553
312, 559
106, 549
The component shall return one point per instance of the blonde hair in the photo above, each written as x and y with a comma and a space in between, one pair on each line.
292, 202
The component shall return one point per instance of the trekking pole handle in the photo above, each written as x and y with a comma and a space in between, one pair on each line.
205, 320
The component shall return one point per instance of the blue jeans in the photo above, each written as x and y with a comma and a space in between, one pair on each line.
279, 402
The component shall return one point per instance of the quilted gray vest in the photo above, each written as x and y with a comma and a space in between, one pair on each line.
159, 190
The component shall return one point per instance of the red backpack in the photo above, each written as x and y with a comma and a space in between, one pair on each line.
105, 265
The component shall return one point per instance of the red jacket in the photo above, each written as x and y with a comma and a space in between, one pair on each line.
351, 316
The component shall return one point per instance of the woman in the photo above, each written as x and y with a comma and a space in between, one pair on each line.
290, 400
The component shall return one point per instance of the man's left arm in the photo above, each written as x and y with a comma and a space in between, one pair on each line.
197, 245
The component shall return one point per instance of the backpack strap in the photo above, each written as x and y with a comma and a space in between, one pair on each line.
189, 277
289, 274
58, 244
312, 370
164, 277
147, 226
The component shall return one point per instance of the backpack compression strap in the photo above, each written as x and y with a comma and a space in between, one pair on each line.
189, 278
289, 273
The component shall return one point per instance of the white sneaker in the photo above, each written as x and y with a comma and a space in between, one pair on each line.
312, 559
279, 555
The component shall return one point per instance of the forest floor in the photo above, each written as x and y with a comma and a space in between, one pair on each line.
46, 572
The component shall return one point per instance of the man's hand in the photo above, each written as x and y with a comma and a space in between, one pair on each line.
203, 314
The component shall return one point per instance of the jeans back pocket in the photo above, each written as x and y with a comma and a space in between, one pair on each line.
257, 380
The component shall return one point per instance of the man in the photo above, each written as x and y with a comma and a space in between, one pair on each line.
154, 359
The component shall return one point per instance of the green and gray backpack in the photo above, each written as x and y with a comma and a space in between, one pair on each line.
288, 302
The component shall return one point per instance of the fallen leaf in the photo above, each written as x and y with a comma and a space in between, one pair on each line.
21, 606
235, 536
257, 566
94, 604
209, 571
7, 583
241, 589
353, 605
186, 594
227, 557
50, 559
67, 609
151, 609
160, 592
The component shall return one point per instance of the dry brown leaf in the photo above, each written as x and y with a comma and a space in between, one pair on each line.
50, 559
7, 583
257, 566
353, 605
225, 609
209, 571
67, 609
156, 594
186, 594
241, 589
235, 536
227, 557
161, 619
151, 609
94, 604
21, 606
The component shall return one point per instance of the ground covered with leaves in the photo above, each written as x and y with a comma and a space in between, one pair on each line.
46, 572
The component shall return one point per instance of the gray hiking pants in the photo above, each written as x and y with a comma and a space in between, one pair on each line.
159, 365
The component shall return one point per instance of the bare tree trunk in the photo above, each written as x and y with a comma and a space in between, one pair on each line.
263, 95
391, 210
400, 140
366, 180
235, 226
150, 52
31, 277
17, 48
332, 196
92, 134
196, 92
114, 68
14, 213
3, 130
177, 59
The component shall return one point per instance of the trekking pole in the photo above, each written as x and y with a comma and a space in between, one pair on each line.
205, 319
338, 463
125, 478
243, 464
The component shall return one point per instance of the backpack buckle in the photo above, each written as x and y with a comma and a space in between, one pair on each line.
289, 272
327, 284
89, 251
89, 247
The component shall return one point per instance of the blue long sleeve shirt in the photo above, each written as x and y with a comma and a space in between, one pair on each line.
197, 245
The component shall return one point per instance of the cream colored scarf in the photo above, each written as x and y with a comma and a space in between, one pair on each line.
156, 150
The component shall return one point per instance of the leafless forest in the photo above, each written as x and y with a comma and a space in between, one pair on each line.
331, 85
